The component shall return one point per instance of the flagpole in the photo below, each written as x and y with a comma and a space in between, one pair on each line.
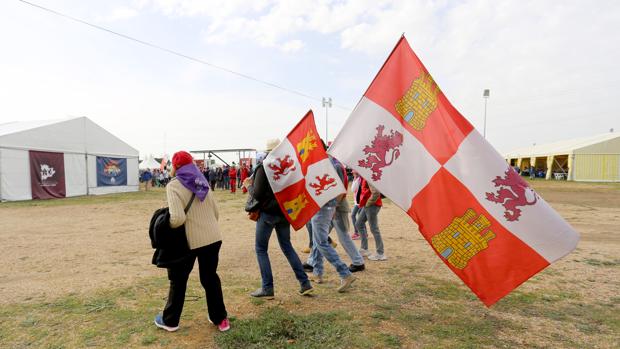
485, 94
327, 103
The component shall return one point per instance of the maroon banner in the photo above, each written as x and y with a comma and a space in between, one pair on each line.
47, 175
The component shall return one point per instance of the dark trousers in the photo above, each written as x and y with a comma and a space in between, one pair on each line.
207, 261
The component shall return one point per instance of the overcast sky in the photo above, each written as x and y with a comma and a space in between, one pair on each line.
552, 66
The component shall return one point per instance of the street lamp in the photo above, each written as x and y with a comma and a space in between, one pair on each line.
327, 103
485, 94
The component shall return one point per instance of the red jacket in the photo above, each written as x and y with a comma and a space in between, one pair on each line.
232, 173
367, 194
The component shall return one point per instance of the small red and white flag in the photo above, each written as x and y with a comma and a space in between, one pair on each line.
478, 214
300, 173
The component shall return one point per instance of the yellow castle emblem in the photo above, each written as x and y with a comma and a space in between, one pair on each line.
295, 206
419, 101
463, 238
306, 146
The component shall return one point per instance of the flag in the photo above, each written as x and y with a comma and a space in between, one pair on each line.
111, 171
47, 175
481, 218
301, 174
164, 162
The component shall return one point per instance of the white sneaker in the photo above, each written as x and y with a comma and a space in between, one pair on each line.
377, 257
364, 253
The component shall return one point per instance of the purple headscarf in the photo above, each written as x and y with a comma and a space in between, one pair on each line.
189, 175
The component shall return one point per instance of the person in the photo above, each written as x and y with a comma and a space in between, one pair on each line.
244, 174
340, 222
225, 178
532, 172
212, 178
232, 174
270, 218
370, 205
147, 177
204, 239
355, 188
320, 224
220, 178
238, 176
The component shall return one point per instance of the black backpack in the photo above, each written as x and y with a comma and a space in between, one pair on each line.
170, 244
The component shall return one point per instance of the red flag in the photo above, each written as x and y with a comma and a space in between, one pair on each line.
480, 217
300, 173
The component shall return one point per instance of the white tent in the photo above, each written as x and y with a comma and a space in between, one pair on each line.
593, 159
149, 163
80, 141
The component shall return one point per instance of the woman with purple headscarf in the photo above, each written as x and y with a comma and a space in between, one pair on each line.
204, 239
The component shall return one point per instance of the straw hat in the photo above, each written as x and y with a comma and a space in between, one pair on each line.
272, 143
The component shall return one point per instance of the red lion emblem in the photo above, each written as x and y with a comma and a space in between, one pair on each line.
324, 183
514, 192
285, 167
377, 152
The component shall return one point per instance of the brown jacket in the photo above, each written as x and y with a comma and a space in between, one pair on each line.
201, 225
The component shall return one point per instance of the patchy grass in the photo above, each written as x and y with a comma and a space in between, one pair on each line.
602, 263
278, 328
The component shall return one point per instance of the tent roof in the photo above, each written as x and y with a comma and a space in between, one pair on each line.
78, 135
149, 163
20, 126
560, 147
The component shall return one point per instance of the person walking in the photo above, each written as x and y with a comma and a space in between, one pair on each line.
147, 176
370, 205
320, 223
355, 189
204, 239
270, 218
232, 174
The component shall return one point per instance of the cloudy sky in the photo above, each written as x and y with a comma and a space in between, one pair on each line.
551, 66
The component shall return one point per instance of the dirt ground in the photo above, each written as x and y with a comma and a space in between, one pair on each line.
78, 246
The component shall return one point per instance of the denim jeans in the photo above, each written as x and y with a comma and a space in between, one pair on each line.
369, 214
354, 212
321, 248
264, 226
341, 223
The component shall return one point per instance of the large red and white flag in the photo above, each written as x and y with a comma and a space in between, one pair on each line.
478, 214
301, 175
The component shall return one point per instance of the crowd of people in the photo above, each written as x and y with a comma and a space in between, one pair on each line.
228, 177
192, 205
154, 178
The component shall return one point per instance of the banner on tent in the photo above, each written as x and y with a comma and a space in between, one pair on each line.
111, 171
47, 175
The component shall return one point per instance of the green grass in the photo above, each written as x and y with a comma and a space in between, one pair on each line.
90, 199
277, 328
602, 263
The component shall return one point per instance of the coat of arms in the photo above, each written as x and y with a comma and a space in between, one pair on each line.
284, 167
382, 151
323, 184
513, 192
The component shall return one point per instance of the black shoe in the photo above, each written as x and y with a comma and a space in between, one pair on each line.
306, 290
261, 293
355, 268
308, 268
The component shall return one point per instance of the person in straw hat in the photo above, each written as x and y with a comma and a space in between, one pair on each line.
270, 218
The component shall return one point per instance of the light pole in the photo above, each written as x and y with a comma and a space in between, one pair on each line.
327, 103
485, 94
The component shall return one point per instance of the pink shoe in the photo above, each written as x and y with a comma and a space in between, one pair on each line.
355, 236
224, 325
